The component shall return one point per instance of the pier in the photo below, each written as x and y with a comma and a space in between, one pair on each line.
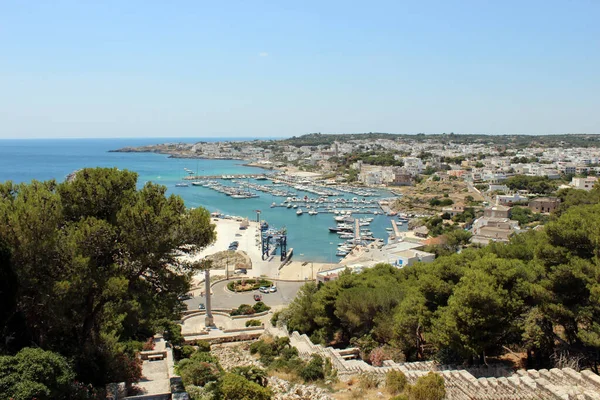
236, 176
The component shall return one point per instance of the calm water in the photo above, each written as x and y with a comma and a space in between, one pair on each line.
24, 160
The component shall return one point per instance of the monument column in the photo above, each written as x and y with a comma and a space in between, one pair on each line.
208, 320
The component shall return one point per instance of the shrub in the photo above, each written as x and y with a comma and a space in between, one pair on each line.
243, 309
313, 370
275, 318
235, 387
254, 284
265, 350
289, 352
400, 397
198, 373
395, 382
253, 374
200, 392
428, 387
382, 353
181, 352
253, 322
368, 381
205, 357
259, 306
203, 345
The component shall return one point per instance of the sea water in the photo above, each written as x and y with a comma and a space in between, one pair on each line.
44, 159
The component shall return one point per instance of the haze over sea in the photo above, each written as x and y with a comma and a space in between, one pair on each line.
44, 159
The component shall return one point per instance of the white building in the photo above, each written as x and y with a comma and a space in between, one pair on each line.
584, 183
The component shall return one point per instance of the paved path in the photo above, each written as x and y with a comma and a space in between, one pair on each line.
223, 298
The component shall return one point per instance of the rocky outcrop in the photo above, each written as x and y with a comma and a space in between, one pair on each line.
285, 390
231, 356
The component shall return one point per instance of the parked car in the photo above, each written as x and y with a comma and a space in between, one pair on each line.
273, 289
257, 297
201, 306
263, 289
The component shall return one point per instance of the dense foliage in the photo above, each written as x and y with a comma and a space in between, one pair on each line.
247, 309
35, 373
539, 294
277, 355
532, 184
89, 268
205, 379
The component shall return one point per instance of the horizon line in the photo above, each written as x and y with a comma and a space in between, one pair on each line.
289, 137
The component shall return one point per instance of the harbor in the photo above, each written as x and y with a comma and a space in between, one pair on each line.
324, 223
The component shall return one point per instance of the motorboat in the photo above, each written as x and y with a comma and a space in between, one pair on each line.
313, 212
181, 184
299, 212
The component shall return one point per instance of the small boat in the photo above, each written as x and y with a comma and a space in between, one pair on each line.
313, 212
295, 206
273, 205
299, 212
400, 223
289, 205
181, 184
341, 253
389, 229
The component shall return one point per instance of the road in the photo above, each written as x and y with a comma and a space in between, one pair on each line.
223, 298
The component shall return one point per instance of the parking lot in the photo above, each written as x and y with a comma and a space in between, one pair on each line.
223, 298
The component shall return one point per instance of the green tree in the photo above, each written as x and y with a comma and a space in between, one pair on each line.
95, 266
35, 373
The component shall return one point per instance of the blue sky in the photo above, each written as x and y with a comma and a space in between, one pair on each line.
282, 68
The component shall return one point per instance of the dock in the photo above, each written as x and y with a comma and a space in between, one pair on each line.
396, 230
236, 176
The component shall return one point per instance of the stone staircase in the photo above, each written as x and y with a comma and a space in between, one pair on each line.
495, 382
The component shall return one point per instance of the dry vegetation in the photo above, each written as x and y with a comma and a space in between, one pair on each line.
416, 198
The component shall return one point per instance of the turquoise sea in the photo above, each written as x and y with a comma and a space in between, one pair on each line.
41, 159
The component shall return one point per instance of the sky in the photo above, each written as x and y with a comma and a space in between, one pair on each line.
282, 68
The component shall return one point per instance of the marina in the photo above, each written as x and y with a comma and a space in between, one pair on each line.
325, 223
